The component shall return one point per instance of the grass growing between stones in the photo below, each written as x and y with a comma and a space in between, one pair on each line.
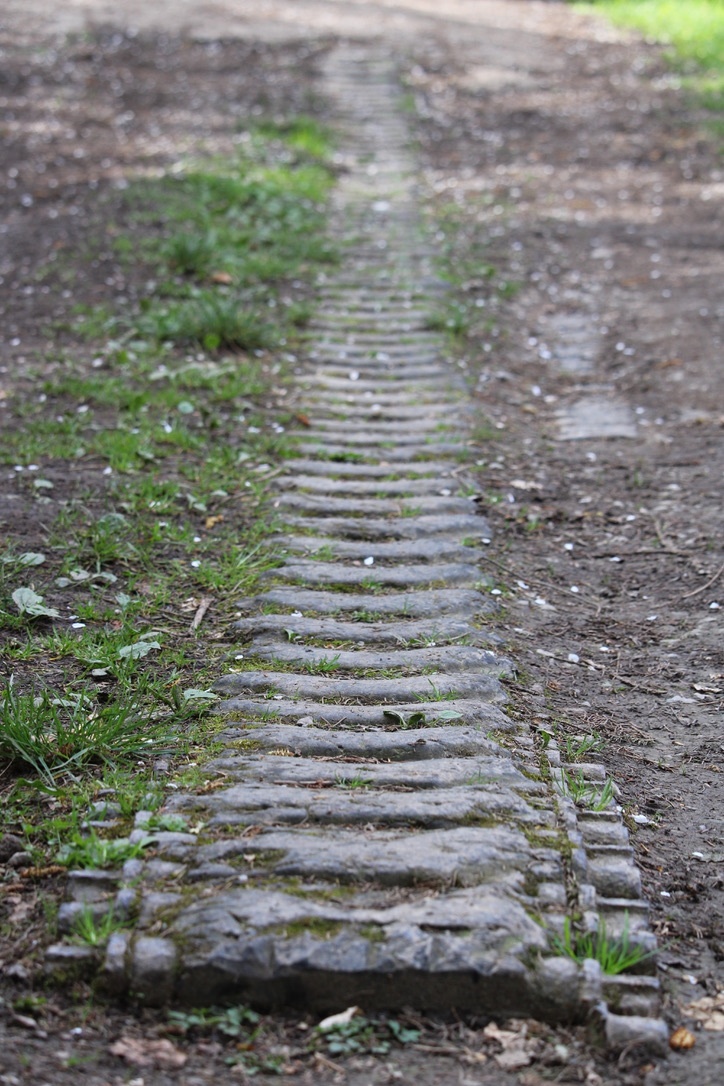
140, 452
615, 954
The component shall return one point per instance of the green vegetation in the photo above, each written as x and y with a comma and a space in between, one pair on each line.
583, 792
615, 954
693, 32
358, 1035
95, 931
141, 451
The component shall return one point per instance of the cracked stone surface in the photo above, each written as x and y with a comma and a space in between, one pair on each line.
376, 828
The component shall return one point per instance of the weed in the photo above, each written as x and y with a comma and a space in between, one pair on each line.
236, 1022
414, 720
361, 1035
323, 665
357, 781
436, 694
365, 616
100, 852
583, 792
615, 954
96, 931
576, 746
57, 737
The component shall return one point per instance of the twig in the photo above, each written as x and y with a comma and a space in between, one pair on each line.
200, 612
703, 588
337, 1067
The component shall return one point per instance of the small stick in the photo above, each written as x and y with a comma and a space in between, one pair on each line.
319, 1058
704, 587
200, 612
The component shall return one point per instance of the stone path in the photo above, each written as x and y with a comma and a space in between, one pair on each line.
377, 830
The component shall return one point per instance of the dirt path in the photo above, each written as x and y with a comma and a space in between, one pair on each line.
561, 156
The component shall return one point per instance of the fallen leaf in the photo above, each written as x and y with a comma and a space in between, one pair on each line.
210, 786
708, 1011
22, 909
513, 1058
525, 484
682, 1038
137, 650
143, 1052
211, 522
30, 603
341, 1019
304, 419
221, 277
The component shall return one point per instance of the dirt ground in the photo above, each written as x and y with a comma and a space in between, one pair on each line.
561, 153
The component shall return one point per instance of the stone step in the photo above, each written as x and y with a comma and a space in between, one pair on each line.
342, 804
338, 452
351, 746
427, 775
439, 631
392, 715
419, 604
426, 550
438, 687
449, 658
331, 505
341, 469
398, 576
451, 526
379, 488
362, 412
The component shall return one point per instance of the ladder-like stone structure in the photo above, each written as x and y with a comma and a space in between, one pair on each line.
377, 831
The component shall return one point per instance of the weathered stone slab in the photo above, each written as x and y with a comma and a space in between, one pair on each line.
330, 505
427, 773
378, 488
382, 691
393, 715
601, 416
399, 576
399, 550
451, 658
463, 856
434, 602
344, 469
438, 631
410, 744
453, 526
469, 945
253, 804
335, 447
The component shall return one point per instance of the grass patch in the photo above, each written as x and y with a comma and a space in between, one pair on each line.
141, 453
693, 34
615, 954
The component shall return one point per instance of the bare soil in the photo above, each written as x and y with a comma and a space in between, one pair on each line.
585, 178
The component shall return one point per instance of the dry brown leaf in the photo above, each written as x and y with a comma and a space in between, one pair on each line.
513, 1058
211, 522
708, 1011
682, 1038
151, 1052
304, 419
524, 484
22, 908
222, 277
